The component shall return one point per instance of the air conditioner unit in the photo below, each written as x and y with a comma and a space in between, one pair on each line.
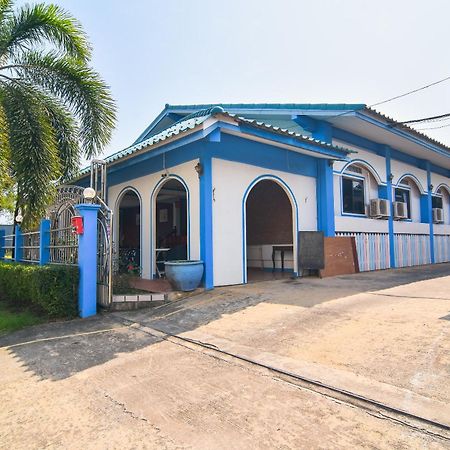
400, 210
379, 208
438, 215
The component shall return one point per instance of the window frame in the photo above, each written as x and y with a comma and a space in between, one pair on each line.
406, 188
440, 197
363, 180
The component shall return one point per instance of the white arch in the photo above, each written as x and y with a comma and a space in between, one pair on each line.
287, 190
365, 165
153, 199
116, 230
412, 178
442, 186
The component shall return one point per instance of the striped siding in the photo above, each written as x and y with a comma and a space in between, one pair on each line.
372, 249
412, 249
441, 248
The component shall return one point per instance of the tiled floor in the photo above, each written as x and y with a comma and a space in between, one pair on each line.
159, 285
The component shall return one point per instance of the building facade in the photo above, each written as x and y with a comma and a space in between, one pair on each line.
233, 184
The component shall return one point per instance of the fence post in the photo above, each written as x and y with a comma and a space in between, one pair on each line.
2, 244
44, 242
87, 260
18, 243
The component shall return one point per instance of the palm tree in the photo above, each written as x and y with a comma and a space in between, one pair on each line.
54, 108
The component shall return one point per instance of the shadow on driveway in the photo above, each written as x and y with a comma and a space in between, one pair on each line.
59, 350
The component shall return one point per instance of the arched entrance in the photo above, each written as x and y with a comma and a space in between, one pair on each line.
171, 220
129, 232
270, 231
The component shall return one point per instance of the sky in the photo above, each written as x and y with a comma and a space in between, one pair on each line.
255, 51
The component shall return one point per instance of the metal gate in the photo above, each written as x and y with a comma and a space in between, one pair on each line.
64, 243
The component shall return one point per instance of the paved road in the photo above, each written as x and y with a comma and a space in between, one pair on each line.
114, 382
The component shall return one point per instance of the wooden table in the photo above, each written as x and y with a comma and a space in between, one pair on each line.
281, 249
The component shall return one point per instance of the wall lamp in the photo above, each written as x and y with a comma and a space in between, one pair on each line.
199, 169
431, 187
391, 176
19, 218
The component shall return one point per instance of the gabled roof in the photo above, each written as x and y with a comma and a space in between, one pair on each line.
243, 109
331, 112
196, 120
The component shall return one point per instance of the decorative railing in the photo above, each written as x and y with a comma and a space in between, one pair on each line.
8, 246
63, 246
30, 246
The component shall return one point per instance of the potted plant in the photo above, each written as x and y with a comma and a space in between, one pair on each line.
184, 275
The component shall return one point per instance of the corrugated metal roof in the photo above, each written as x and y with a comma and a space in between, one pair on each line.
196, 119
401, 126
350, 107
318, 106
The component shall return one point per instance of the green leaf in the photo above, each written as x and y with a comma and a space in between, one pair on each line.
43, 24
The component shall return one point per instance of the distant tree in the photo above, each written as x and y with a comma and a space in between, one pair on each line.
54, 108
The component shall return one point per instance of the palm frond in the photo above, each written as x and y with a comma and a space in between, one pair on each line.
34, 153
5, 8
80, 87
43, 24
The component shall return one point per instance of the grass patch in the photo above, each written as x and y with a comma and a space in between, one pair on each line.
13, 318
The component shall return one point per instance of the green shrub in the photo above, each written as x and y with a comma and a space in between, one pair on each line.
53, 288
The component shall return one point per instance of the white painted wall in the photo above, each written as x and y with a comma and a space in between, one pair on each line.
145, 186
230, 182
401, 226
399, 169
377, 162
360, 224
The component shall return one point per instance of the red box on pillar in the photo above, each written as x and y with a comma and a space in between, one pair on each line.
77, 224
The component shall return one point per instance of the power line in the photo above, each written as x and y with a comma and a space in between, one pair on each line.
410, 92
427, 119
433, 128
395, 98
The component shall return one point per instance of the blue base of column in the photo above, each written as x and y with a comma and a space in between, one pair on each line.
87, 261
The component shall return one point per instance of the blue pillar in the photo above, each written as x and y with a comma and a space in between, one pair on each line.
429, 206
206, 221
2, 244
87, 260
323, 131
386, 193
18, 243
325, 198
44, 243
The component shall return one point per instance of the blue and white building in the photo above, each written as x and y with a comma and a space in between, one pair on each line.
226, 183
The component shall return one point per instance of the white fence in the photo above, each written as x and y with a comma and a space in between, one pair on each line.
409, 249
372, 249
412, 249
441, 248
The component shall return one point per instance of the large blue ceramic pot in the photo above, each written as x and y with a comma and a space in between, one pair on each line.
184, 275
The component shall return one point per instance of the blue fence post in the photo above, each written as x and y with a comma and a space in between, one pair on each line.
87, 260
2, 244
18, 244
44, 242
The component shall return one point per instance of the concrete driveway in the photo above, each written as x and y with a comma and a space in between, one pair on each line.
120, 381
